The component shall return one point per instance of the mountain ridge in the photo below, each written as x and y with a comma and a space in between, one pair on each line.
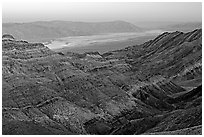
55, 29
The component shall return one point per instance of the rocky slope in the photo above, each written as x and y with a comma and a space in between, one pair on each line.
153, 88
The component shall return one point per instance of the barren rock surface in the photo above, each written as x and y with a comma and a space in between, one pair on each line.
142, 89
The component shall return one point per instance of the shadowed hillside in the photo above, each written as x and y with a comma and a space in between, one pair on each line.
152, 88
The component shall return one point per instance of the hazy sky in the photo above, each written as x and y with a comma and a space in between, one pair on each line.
132, 12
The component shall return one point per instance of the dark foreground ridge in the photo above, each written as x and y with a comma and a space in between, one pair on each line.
153, 88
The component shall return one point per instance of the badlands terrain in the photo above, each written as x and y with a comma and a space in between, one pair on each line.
150, 88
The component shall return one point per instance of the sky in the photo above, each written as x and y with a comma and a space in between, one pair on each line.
99, 12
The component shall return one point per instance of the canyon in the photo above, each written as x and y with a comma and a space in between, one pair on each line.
149, 88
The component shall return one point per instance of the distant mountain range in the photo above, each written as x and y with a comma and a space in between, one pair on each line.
45, 30
184, 26
170, 26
